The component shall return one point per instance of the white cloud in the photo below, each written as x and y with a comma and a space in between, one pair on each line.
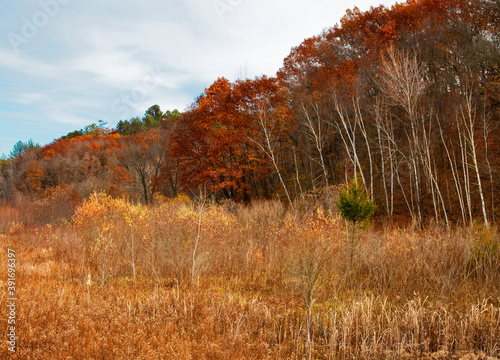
93, 54
25, 98
20, 63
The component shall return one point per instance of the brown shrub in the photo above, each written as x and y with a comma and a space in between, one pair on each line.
249, 281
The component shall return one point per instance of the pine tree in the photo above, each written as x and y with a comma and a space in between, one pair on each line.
355, 207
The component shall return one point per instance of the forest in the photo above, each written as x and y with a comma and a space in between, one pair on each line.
223, 225
406, 99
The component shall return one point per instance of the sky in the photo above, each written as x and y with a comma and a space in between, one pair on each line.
65, 64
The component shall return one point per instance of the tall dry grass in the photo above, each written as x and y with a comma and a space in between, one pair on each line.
260, 281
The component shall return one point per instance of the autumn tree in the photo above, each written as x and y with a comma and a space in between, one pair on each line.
390, 81
269, 117
211, 143
404, 98
6, 178
144, 155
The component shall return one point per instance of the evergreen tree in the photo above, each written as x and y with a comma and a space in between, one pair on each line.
355, 207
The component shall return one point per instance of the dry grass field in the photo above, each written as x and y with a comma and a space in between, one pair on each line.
187, 280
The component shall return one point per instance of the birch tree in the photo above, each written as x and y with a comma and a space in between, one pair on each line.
469, 121
403, 83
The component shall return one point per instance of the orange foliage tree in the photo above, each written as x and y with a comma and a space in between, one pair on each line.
212, 140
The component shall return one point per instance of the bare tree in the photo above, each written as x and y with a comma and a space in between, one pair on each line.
360, 120
456, 175
403, 84
431, 172
6, 179
347, 131
384, 146
145, 156
201, 206
269, 142
486, 125
316, 130
465, 168
469, 120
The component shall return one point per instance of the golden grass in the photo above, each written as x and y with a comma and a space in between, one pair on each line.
269, 284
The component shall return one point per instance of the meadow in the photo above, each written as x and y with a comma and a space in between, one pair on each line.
188, 279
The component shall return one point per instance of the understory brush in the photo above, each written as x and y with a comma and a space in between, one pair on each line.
194, 279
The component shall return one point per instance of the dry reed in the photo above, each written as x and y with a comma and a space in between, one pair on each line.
117, 282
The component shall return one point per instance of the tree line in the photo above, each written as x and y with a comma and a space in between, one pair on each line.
405, 99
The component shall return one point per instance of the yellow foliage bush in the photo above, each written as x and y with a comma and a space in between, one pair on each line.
111, 229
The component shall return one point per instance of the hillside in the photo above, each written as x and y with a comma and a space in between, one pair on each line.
346, 208
405, 98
